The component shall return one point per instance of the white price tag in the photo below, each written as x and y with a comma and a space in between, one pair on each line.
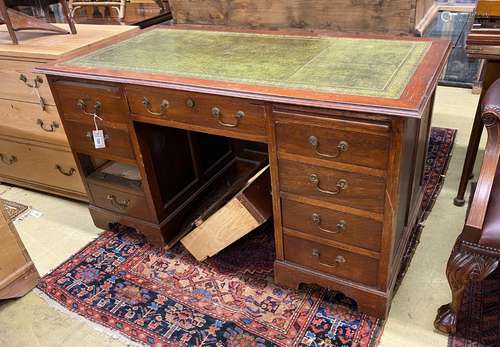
35, 213
99, 141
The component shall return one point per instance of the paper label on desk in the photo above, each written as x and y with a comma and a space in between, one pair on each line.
99, 141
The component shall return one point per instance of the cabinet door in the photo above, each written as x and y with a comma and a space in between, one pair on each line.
18, 275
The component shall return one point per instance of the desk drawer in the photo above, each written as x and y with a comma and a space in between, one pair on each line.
78, 100
45, 165
340, 187
121, 201
333, 144
332, 225
117, 139
18, 81
27, 120
331, 260
239, 116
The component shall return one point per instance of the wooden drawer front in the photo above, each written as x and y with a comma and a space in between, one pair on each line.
36, 163
332, 225
18, 81
117, 140
78, 101
22, 119
360, 191
333, 144
331, 260
198, 109
120, 201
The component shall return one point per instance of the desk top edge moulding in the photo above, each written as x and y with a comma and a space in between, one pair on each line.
157, 121
137, 56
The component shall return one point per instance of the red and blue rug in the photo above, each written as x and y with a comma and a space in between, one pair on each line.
478, 323
167, 298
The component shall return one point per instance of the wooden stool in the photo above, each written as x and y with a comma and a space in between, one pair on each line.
118, 5
15, 20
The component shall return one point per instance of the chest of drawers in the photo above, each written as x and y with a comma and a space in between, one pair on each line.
33, 143
346, 152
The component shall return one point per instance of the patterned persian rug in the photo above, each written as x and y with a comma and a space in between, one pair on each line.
13, 209
479, 317
167, 298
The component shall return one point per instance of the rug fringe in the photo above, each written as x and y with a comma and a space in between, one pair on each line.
115, 335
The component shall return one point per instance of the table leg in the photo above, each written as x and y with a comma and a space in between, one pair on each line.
491, 72
68, 16
4, 15
470, 157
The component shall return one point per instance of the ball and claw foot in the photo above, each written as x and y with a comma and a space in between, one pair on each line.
446, 320
458, 202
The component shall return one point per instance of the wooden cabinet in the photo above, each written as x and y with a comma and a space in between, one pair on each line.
390, 16
346, 151
34, 149
18, 275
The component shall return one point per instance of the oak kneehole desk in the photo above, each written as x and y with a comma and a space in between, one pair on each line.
343, 122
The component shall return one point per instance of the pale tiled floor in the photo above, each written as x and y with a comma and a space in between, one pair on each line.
66, 226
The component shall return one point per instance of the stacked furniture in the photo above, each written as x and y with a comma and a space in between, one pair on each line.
476, 253
344, 123
34, 150
15, 20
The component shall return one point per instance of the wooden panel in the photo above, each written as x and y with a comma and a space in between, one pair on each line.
121, 200
35, 162
197, 110
334, 145
12, 87
351, 266
250, 208
117, 139
340, 15
26, 120
103, 99
362, 191
17, 272
332, 225
488, 8
41, 45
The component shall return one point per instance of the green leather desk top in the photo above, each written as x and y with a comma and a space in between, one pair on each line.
354, 66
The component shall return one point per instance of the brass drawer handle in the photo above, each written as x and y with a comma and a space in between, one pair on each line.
36, 81
341, 185
122, 205
68, 173
163, 106
338, 260
217, 113
343, 146
341, 225
50, 128
8, 160
34, 86
82, 105
190, 103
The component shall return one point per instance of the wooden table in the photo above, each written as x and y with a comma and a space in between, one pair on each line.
343, 121
482, 43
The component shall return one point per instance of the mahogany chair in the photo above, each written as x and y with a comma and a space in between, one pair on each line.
15, 20
476, 253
